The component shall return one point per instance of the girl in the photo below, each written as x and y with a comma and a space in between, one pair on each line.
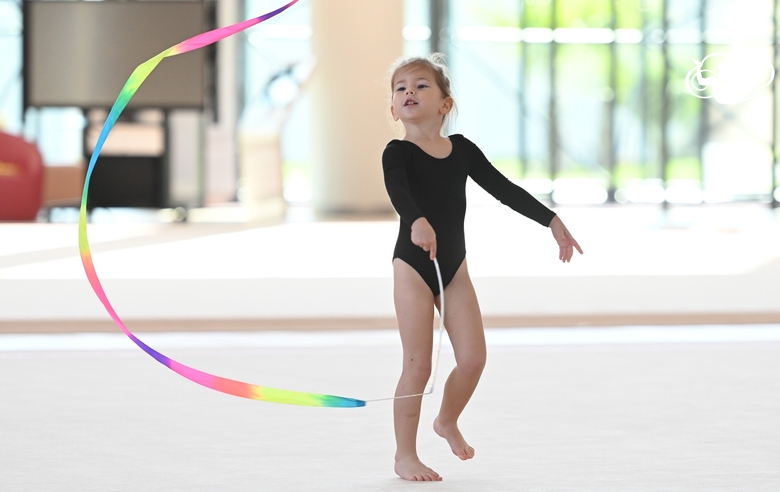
425, 176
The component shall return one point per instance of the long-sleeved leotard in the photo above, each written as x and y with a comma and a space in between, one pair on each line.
420, 185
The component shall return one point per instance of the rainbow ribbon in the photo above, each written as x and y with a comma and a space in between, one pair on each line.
229, 386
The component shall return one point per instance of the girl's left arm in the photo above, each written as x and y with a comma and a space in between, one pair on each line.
505, 191
519, 200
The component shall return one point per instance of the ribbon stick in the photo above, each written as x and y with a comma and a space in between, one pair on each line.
224, 385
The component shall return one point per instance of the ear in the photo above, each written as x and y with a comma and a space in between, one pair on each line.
392, 112
447, 105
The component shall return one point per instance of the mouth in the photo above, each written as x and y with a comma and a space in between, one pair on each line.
409, 102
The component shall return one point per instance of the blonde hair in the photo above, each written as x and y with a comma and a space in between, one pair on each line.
436, 62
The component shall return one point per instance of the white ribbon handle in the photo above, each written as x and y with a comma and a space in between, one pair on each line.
435, 363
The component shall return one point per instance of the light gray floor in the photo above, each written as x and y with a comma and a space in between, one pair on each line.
612, 415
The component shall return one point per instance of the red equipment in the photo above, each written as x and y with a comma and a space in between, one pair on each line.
21, 179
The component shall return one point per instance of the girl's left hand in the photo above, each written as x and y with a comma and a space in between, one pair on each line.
565, 241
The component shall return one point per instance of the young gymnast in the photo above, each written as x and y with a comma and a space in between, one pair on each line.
425, 176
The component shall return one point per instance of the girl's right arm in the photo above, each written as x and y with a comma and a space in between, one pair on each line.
424, 236
394, 161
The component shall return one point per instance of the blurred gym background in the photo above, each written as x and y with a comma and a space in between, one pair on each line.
649, 125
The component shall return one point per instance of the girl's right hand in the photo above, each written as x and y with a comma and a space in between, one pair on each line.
424, 236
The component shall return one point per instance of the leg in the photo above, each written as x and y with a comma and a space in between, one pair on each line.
463, 321
414, 309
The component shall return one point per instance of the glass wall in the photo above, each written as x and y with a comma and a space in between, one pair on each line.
584, 101
11, 67
587, 101
277, 57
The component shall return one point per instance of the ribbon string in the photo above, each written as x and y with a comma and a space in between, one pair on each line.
224, 385
435, 363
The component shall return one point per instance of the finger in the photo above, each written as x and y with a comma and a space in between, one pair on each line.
572, 241
576, 245
567, 253
433, 251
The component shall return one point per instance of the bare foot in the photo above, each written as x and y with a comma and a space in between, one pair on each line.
413, 469
452, 434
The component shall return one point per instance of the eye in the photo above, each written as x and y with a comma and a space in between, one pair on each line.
421, 86
400, 88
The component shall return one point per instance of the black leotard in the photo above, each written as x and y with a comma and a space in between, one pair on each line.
421, 185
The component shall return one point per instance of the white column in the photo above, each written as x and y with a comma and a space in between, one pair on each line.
184, 156
354, 43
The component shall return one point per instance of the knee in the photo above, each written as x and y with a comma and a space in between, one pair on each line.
417, 368
473, 364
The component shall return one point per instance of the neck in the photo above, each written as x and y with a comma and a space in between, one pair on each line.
422, 132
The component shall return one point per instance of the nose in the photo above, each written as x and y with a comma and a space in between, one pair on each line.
410, 91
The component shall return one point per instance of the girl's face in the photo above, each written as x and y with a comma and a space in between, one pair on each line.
416, 97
